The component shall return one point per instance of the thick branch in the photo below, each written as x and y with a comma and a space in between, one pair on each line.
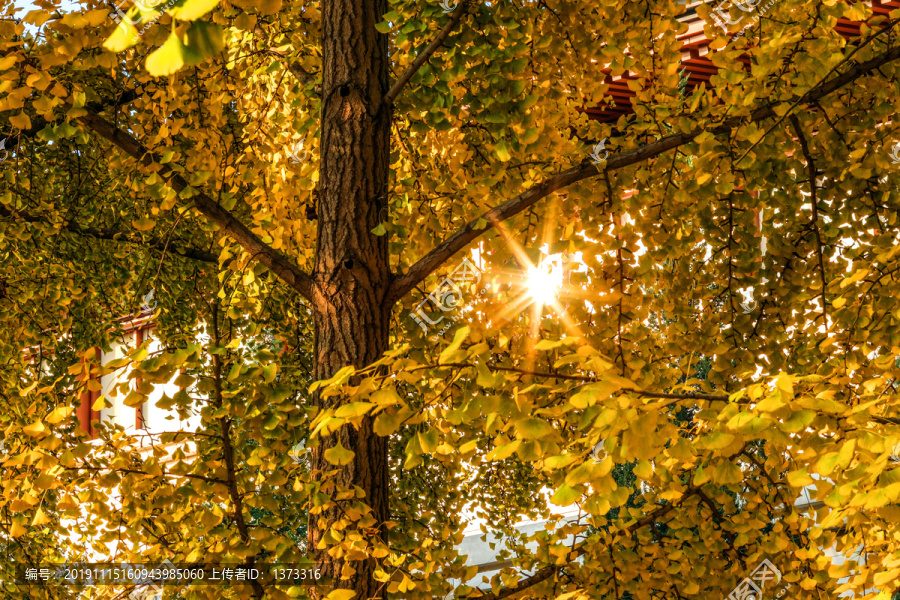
422, 58
126, 97
472, 230
117, 236
282, 267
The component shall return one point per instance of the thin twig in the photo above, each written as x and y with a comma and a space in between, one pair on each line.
423, 57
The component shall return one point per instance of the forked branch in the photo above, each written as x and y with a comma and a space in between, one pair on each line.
586, 170
281, 266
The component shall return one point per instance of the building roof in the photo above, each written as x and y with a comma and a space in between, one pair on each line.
694, 59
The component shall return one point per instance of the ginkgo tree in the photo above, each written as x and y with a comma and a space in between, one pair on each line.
338, 205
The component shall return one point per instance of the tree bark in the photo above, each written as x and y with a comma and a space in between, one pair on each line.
352, 270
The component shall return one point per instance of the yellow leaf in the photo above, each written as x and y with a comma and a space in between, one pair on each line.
504, 451
858, 275
548, 344
16, 530
39, 17
644, 469
35, 429
716, 441
20, 121
8, 61
826, 464
269, 7
353, 409
144, 224
341, 595
565, 495
386, 397
727, 472
338, 455
168, 58
40, 519
59, 413
193, 9
533, 428
123, 37
97, 17
799, 479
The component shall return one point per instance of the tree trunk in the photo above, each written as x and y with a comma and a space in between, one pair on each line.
352, 271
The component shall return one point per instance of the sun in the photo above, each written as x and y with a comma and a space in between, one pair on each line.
544, 281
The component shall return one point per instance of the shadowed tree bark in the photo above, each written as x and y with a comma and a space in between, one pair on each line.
352, 270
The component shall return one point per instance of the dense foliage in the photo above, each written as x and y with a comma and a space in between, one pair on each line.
723, 344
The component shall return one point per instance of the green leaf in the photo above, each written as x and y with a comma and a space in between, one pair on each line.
502, 151
389, 422
383, 27
272, 421
458, 338
65, 130
203, 40
504, 451
48, 134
